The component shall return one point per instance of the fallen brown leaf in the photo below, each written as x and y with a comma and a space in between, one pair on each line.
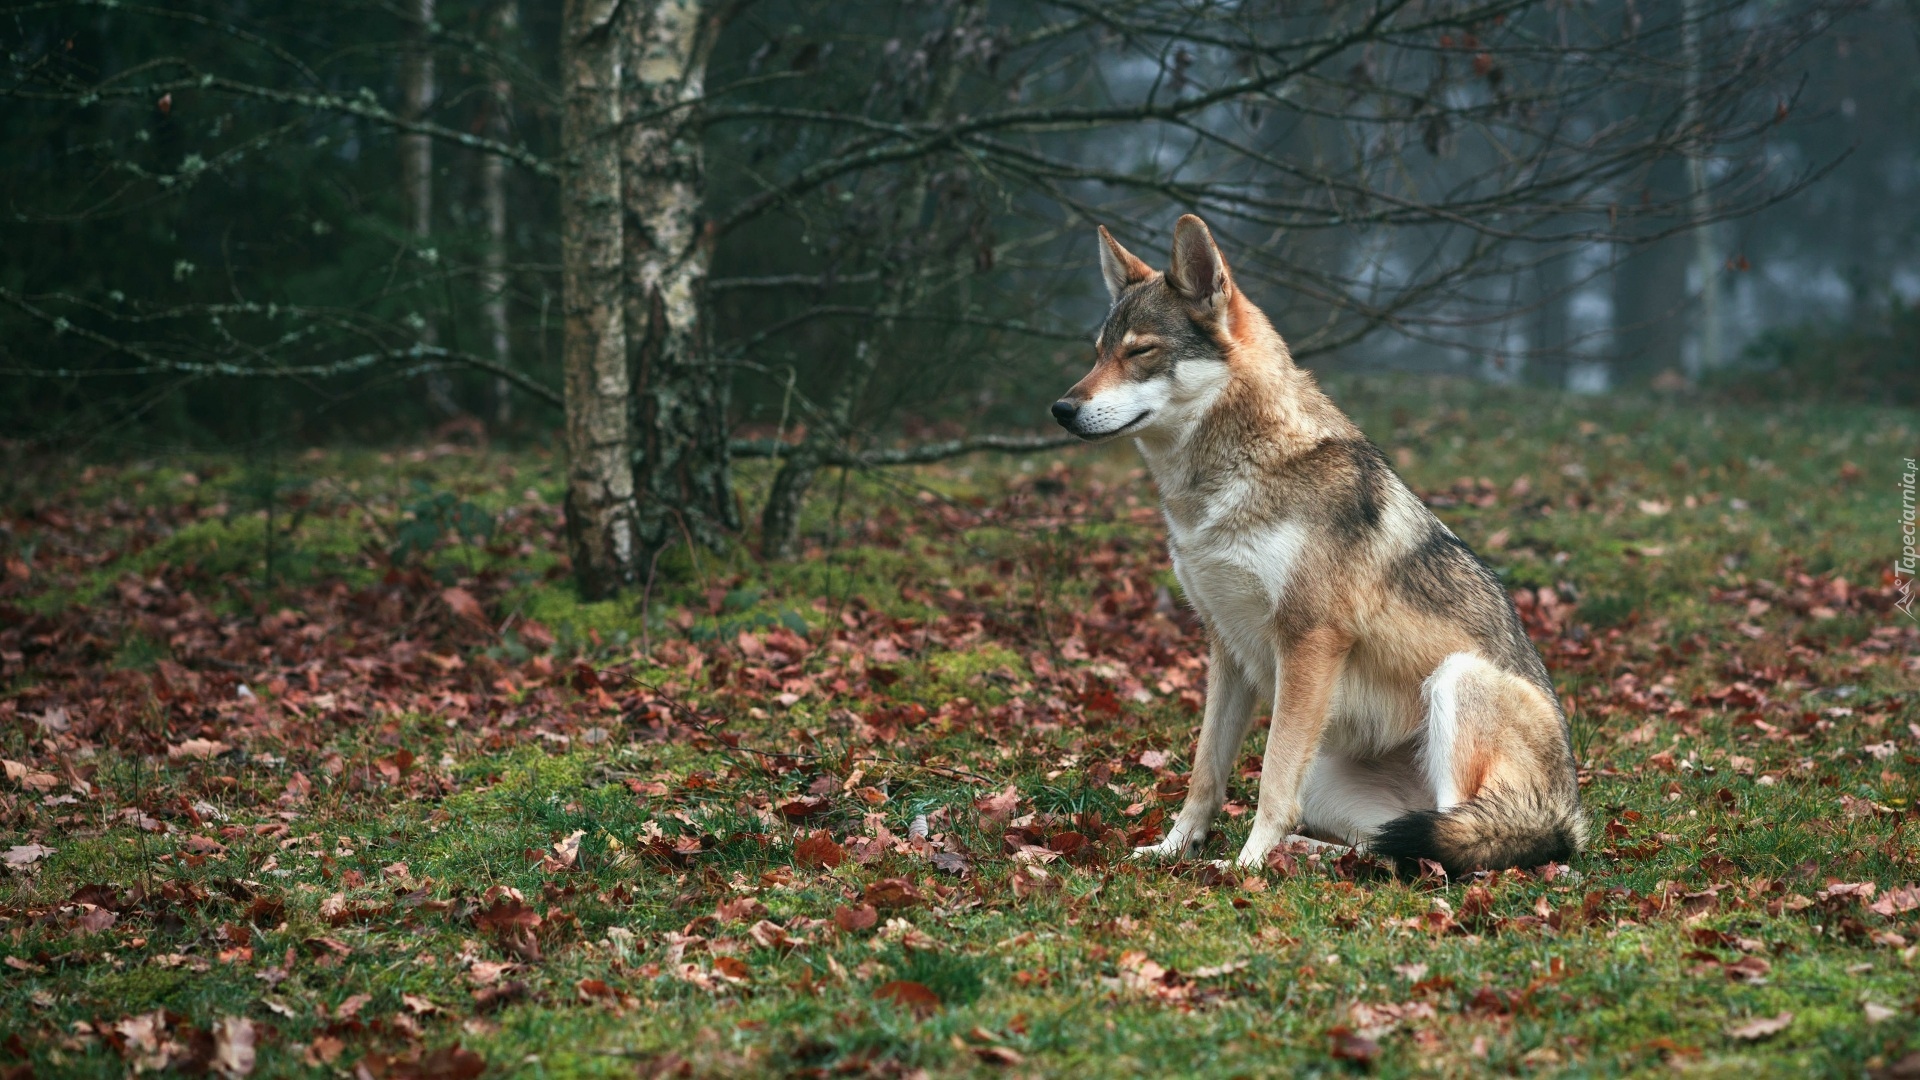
909, 995
819, 852
197, 750
1760, 1028
233, 1046
21, 856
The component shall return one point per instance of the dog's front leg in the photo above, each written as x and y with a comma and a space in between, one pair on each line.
1308, 666
1222, 730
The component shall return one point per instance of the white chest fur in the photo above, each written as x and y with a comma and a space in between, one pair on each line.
1235, 576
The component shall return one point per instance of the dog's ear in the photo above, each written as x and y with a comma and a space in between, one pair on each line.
1120, 267
1199, 274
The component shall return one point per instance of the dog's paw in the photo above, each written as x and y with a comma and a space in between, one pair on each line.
1252, 858
1178, 844
1307, 845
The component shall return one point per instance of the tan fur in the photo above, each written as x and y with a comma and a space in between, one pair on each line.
1398, 676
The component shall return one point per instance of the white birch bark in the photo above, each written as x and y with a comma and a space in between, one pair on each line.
600, 504
680, 451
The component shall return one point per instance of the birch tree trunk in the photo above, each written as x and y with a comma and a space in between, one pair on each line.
600, 503
680, 459
680, 450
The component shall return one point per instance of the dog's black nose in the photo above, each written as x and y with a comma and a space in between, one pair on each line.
1063, 410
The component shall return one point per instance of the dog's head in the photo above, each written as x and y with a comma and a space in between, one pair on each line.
1167, 346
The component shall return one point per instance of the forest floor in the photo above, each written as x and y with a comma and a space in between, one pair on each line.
316, 765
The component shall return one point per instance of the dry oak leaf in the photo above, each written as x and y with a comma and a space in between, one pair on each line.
507, 910
298, 789
233, 1046
1028, 880
1907, 1068
739, 909
566, 852
804, 807
447, 1063
31, 779
1139, 972
908, 935
1897, 900
324, 946
819, 852
909, 995
1349, 1046
39, 783
197, 750
95, 920
22, 856
732, 968
772, 935
494, 997
462, 603
486, 972
998, 1055
145, 1042
998, 806
849, 919
1760, 1028
324, 1050
892, 893
204, 845
951, 862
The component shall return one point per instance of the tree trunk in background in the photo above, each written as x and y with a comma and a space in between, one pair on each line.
493, 198
1700, 200
680, 460
416, 176
1650, 293
1547, 334
416, 151
780, 520
600, 504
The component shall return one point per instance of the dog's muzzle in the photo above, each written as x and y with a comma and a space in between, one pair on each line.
1070, 413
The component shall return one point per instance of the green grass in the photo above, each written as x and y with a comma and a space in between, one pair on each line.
1675, 532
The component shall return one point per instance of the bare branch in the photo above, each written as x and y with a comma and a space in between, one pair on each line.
923, 454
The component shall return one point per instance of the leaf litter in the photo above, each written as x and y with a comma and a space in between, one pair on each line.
884, 786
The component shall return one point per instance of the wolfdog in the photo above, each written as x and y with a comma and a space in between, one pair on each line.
1411, 717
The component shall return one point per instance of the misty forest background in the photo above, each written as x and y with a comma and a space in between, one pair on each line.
260, 226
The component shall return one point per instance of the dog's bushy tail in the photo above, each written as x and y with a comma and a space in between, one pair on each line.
1492, 831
